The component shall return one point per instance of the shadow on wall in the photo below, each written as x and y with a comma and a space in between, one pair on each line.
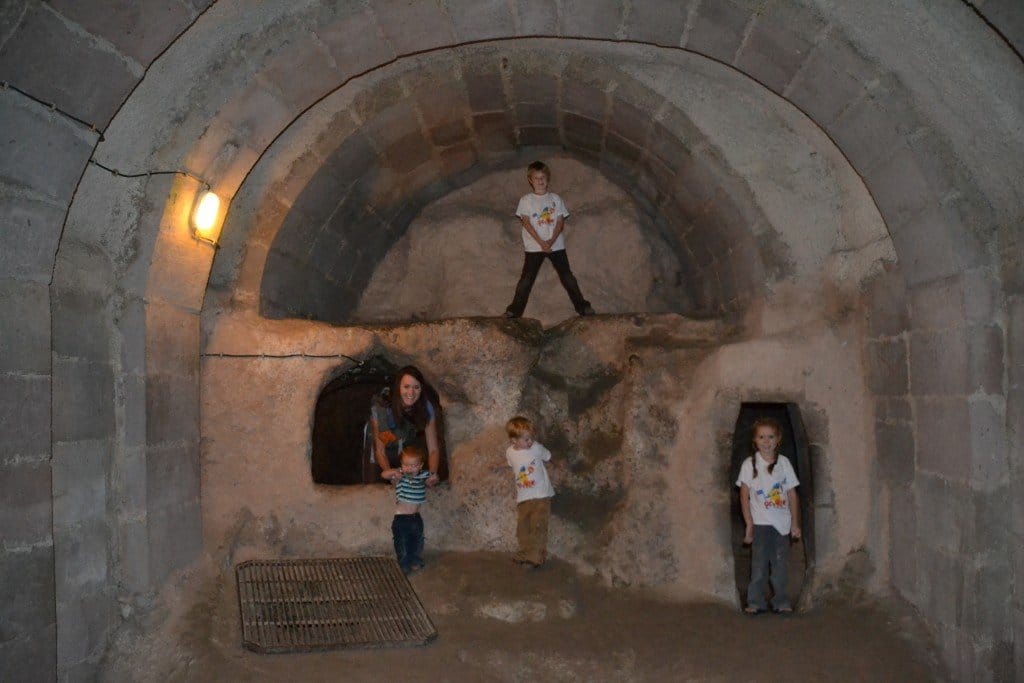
795, 446
342, 446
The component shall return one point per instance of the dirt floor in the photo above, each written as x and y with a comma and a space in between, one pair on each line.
500, 622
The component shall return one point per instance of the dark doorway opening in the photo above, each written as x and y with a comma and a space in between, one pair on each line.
342, 448
795, 447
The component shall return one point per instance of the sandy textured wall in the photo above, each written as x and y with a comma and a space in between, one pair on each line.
637, 410
467, 246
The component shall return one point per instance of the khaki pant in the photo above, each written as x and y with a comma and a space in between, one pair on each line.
532, 530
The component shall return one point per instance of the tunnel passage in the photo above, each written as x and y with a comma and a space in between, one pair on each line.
341, 443
795, 447
829, 78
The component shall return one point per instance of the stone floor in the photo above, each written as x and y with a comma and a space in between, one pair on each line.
499, 622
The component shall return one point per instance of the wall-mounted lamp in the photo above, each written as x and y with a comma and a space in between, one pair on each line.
206, 217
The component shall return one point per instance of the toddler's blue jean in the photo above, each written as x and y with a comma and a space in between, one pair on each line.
769, 558
407, 533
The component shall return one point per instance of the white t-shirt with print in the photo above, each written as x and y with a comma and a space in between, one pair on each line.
529, 472
769, 504
543, 212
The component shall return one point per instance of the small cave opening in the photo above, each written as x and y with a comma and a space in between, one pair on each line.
342, 448
796, 447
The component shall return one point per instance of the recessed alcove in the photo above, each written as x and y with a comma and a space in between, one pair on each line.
341, 442
462, 254
796, 447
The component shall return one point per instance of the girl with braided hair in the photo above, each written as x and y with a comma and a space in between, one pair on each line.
771, 513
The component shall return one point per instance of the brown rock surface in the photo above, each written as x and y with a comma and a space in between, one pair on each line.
638, 411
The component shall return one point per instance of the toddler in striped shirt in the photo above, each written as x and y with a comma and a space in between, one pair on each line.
410, 482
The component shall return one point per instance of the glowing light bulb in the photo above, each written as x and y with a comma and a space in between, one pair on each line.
204, 218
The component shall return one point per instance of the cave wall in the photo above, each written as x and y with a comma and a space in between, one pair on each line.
923, 99
638, 411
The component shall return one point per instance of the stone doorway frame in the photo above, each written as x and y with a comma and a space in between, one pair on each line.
788, 414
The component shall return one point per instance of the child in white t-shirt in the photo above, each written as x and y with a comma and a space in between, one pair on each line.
526, 457
542, 215
771, 512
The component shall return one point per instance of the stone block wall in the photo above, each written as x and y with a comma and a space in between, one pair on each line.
33, 475
58, 362
172, 438
956, 377
891, 114
125, 421
1013, 278
1007, 17
935, 367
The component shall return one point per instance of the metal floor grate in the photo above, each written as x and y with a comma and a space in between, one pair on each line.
321, 604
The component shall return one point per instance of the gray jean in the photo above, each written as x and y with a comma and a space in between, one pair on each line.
768, 561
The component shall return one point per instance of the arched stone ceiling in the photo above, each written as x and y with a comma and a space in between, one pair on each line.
322, 185
923, 98
800, 51
434, 123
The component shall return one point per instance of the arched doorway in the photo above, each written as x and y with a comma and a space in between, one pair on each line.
795, 446
341, 449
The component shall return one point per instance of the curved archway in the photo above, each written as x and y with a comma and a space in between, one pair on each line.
339, 442
341, 446
133, 285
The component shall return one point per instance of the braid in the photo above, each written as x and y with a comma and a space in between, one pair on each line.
771, 467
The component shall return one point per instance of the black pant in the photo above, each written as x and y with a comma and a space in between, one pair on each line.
407, 533
531, 266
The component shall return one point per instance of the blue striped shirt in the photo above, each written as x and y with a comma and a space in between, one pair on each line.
412, 488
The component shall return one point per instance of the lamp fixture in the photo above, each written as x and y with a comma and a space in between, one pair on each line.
206, 217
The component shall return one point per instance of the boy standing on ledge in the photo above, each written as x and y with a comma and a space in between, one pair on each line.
543, 215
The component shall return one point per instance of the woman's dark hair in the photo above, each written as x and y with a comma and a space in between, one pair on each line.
416, 413
764, 422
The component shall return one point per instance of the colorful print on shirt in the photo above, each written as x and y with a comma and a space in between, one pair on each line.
523, 480
546, 216
775, 497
